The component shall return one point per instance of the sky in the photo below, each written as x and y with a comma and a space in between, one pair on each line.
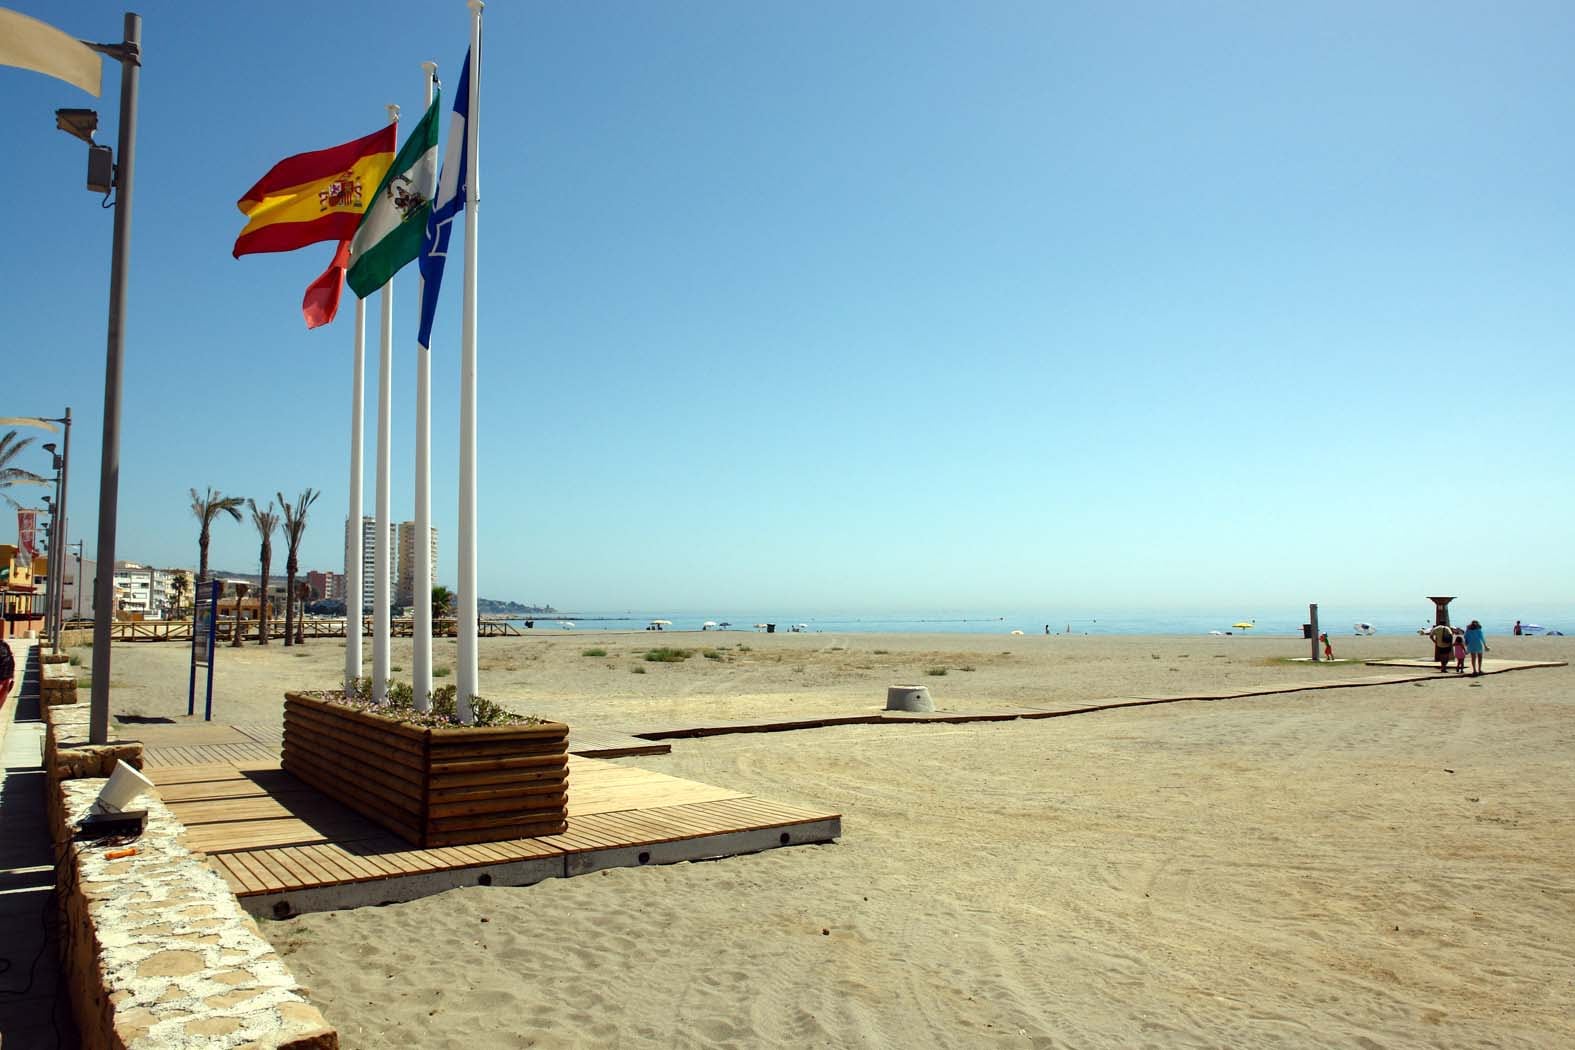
862, 306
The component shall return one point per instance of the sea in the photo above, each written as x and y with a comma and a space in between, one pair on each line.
1274, 621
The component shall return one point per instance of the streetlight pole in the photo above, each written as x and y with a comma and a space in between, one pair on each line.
64, 528
76, 609
129, 53
52, 542
56, 606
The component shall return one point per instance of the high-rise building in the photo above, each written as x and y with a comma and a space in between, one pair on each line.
369, 556
404, 588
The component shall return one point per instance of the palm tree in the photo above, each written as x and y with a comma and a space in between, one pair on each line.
294, 529
10, 474
266, 521
442, 605
178, 585
300, 624
206, 508
240, 595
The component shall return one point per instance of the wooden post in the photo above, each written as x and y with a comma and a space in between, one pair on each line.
1312, 614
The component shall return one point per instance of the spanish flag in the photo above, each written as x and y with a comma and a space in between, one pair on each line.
317, 196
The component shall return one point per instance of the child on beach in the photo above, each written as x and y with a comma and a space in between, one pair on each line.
1460, 651
1328, 650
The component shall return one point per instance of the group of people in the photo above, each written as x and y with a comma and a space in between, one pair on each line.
1454, 643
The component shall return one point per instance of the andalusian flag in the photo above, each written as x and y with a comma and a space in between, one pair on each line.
317, 196
396, 219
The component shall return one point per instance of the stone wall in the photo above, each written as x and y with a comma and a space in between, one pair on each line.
157, 950
57, 682
67, 753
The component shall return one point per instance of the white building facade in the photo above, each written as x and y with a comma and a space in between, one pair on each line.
369, 556
144, 589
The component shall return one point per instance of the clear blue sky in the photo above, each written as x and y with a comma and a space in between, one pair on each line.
868, 306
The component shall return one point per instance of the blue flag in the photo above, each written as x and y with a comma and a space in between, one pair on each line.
448, 203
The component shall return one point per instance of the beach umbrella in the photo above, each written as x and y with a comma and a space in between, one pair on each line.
708, 625
1245, 625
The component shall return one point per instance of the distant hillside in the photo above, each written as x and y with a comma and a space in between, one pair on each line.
493, 607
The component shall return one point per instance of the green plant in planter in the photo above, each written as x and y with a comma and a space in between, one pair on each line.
401, 705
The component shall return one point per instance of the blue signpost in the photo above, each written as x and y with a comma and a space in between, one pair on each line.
204, 628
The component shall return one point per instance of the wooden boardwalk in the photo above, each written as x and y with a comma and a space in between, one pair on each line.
284, 848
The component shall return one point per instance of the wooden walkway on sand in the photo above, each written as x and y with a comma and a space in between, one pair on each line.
1059, 709
285, 848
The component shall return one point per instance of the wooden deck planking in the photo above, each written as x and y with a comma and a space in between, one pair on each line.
274, 839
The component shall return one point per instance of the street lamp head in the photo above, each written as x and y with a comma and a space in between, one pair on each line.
79, 123
49, 447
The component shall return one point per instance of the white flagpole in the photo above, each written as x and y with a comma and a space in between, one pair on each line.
383, 558
466, 680
353, 620
421, 587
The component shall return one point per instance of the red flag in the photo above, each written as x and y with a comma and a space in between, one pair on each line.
26, 532
321, 302
316, 196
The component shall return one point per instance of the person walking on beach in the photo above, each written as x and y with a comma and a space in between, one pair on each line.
7, 671
1459, 647
1328, 650
1443, 645
1517, 627
1476, 645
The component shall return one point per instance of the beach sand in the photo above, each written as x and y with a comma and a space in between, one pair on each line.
1389, 866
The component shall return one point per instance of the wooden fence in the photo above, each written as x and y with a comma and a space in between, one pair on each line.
311, 627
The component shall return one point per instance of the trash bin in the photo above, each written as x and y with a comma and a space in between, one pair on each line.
771, 628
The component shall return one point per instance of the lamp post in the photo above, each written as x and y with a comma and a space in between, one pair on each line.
105, 174
49, 552
52, 547
57, 546
76, 608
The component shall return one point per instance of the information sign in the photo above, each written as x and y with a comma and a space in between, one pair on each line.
204, 625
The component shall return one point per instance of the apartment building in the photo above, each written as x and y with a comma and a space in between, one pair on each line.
404, 579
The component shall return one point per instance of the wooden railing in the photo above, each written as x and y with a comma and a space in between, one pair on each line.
310, 627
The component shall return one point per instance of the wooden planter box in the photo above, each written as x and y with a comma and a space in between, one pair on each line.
432, 787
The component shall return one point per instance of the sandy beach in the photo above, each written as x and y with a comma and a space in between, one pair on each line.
1380, 867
